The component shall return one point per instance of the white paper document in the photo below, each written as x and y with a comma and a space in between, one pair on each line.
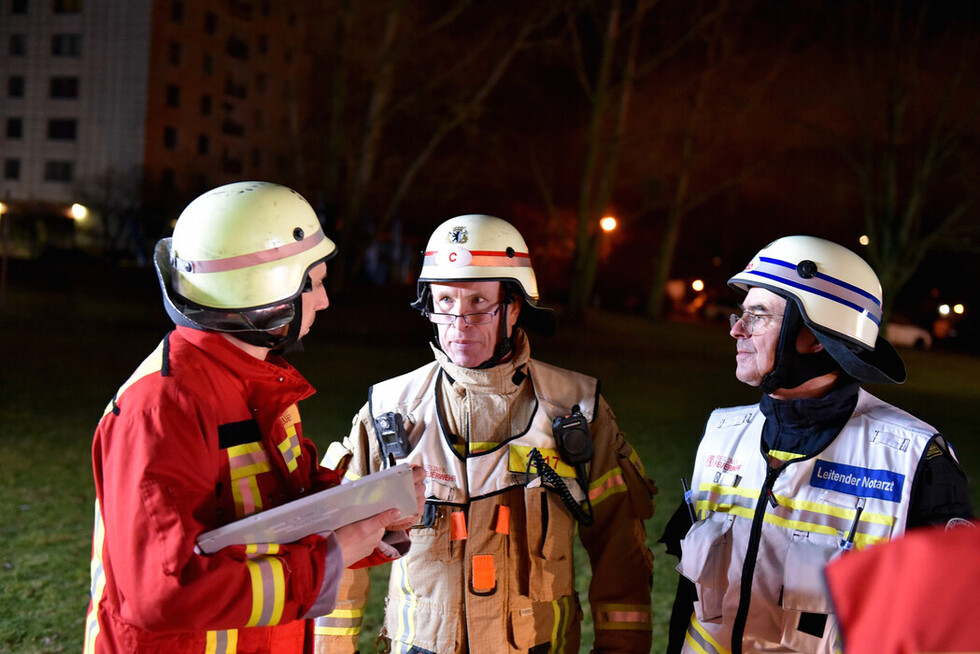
326, 510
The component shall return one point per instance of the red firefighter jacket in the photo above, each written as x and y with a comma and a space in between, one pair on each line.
916, 593
203, 434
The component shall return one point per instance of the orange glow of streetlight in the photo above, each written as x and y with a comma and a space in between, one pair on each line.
608, 223
698, 285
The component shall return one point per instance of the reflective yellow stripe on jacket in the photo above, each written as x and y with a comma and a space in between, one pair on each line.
621, 616
222, 642
98, 581
268, 585
340, 622
791, 513
700, 641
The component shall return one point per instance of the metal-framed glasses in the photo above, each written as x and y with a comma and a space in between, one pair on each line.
481, 318
751, 320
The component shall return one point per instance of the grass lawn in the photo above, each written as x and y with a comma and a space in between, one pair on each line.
69, 337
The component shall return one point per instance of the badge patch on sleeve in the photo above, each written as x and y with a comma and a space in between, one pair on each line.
863, 482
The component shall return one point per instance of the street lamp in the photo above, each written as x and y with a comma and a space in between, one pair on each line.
607, 223
78, 211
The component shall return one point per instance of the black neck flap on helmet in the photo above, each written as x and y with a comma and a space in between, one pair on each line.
791, 367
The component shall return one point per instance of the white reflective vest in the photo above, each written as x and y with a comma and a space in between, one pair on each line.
776, 528
456, 477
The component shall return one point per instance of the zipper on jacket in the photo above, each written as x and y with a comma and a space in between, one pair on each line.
751, 554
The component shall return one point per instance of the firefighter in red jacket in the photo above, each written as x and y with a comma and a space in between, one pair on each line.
207, 431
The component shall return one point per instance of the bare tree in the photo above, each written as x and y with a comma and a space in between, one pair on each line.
905, 158
712, 112
426, 72
608, 91
114, 198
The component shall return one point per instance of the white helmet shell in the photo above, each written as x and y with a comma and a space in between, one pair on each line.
245, 245
837, 291
476, 247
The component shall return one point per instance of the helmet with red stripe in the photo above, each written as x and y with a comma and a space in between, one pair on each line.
477, 247
239, 260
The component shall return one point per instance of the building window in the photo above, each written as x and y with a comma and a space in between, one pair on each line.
18, 6
236, 89
203, 144
63, 87
15, 128
206, 105
18, 45
177, 11
168, 178
210, 23
62, 129
57, 171
173, 95
67, 6
11, 169
208, 65
170, 138
232, 127
236, 48
263, 44
15, 86
66, 45
174, 53
256, 158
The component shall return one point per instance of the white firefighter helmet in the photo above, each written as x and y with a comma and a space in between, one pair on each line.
239, 258
477, 247
838, 294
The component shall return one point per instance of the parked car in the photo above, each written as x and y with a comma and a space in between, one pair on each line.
902, 333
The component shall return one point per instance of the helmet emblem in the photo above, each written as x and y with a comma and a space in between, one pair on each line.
457, 235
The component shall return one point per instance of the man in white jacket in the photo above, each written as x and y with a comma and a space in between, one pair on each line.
818, 467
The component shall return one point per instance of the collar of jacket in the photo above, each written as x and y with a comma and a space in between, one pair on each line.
807, 426
496, 380
256, 374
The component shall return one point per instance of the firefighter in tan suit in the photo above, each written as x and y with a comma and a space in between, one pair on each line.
518, 454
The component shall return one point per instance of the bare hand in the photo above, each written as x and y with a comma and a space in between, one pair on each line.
418, 474
359, 539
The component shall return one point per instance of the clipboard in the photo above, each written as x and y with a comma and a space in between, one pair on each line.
326, 510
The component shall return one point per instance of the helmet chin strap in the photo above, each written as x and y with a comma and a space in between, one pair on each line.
278, 343
504, 344
792, 368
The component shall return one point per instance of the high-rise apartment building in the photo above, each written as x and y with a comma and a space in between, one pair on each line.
125, 102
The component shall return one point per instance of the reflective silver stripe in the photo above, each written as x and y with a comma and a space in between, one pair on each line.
405, 632
700, 642
823, 285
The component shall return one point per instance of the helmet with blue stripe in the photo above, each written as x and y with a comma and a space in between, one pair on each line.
839, 297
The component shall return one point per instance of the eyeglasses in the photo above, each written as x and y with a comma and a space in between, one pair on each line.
751, 320
469, 318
